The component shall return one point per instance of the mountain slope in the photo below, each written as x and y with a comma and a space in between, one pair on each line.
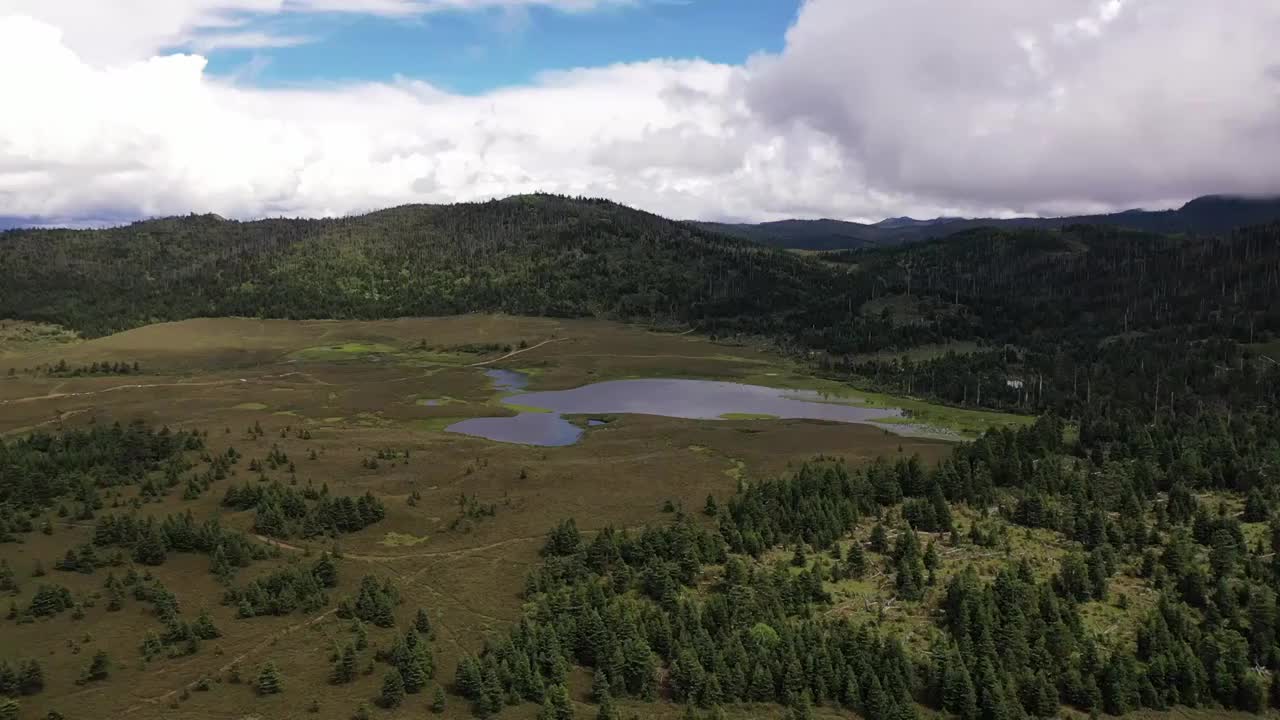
1204, 215
534, 255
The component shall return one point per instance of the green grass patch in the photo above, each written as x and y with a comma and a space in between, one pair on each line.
747, 416
344, 351
19, 336
368, 419
967, 423
736, 468
398, 539
523, 408
437, 357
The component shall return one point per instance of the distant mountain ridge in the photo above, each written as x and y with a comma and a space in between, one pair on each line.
1209, 214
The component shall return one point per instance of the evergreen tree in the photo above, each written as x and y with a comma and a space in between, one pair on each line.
99, 668
269, 681
392, 690
437, 700
556, 704
422, 623
344, 668
879, 539
31, 678
958, 694
599, 685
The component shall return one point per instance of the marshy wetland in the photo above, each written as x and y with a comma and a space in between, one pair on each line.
363, 407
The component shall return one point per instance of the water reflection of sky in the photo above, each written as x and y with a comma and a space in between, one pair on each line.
690, 399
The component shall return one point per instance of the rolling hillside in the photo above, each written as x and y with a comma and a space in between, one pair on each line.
1210, 214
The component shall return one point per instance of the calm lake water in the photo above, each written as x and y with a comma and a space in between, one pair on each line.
691, 399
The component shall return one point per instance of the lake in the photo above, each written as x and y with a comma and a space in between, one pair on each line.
690, 399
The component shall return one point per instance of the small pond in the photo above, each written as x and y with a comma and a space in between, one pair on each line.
691, 399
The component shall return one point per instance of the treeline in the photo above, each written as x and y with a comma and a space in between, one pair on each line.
37, 469
106, 367
283, 511
296, 587
150, 540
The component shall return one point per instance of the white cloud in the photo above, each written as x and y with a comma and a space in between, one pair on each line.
1037, 105
161, 136
874, 108
234, 40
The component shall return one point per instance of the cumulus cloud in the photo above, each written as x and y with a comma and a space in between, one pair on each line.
874, 108
1037, 105
161, 136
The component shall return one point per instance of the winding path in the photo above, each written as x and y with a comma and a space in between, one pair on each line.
513, 353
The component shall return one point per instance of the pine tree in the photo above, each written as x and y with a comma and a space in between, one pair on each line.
31, 679
422, 623
856, 562
607, 711
269, 682
437, 701
392, 690
469, 678
362, 635
556, 703
709, 508
99, 668
802, 708
415, 669
150, 549
8, 581
879, 539
931, 559
599, 685
219, 565
204, 628
958, 694
9, 709
152, 645
344, 668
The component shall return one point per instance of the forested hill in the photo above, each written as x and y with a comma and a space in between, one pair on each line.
1116, 327
1211, 214
1078, 320
533, 255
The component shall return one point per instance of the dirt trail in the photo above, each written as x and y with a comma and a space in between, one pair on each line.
513, 353
460, 552
409, 578
142, 386
266, 642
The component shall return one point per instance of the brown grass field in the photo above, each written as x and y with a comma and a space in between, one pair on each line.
356, 388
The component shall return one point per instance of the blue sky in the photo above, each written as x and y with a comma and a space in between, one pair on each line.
471, 52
